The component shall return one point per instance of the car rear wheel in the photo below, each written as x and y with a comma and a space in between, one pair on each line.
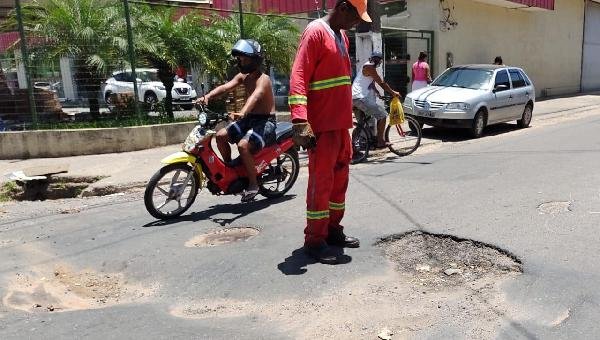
151, 100
108, 101
526, 117
478, 124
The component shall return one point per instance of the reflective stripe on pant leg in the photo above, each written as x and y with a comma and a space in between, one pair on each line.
321, 163
337, 206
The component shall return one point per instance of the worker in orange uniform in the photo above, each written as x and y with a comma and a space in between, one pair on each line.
321, 105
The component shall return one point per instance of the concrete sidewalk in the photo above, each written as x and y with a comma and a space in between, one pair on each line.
132, 169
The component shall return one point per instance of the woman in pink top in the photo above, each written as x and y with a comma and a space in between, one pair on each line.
421, 75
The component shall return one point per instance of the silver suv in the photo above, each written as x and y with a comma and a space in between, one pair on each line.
474, 96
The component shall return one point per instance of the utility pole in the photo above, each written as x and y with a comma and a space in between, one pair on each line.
25, 61
132, 59
241, 19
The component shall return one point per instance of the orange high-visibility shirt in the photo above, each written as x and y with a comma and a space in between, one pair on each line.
320, 86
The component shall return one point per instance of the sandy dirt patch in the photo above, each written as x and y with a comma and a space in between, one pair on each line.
222, 236
65, 289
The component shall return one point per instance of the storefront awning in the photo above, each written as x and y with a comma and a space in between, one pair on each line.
531, 5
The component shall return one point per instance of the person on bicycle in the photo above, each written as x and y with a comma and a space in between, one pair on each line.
254, 126
365, 94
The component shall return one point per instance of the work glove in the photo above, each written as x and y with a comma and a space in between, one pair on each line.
304, 135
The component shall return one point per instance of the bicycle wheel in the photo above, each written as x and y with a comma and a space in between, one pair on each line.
405, 138
360, 144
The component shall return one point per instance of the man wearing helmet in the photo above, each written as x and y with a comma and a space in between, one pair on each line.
364, 94
254, 125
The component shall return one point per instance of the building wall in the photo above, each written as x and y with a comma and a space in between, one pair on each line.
547, 44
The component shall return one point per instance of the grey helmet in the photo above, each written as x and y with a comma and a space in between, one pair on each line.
249, 48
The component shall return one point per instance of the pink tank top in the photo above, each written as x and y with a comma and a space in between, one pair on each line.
420, 70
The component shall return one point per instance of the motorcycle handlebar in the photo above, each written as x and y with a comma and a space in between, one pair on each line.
212, 118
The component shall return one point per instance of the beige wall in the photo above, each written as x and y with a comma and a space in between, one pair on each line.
547, 44
63, 143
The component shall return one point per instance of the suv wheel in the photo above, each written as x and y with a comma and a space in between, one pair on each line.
108, 100
150, 99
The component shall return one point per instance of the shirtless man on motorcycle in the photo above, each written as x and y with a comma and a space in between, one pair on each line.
254, 126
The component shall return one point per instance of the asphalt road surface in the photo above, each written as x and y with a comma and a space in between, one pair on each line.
103, 268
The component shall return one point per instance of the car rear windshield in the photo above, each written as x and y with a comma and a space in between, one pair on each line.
465, 78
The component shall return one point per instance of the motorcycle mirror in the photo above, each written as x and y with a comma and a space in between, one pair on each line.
202, 87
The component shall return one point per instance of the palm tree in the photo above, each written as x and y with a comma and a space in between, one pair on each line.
169, 42
278, 36
88, 31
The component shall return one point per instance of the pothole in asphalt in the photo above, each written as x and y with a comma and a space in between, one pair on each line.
65, 289
554, 208
223, 236
55, 187
442, 260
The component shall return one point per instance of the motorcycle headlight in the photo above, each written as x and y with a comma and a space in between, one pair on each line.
458, 106
202, 118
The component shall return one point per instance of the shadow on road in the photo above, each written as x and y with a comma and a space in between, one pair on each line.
459, 135
237, 209
295, 264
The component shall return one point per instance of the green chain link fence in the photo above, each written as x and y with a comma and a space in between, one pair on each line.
68, 63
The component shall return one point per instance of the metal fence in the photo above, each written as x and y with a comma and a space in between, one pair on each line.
45, 81
59, 77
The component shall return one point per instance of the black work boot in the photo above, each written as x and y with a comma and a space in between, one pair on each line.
337, 238
322, 253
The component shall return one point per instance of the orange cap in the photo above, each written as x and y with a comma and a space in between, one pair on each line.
361, 7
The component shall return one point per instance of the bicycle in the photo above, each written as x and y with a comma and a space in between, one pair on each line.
404, 138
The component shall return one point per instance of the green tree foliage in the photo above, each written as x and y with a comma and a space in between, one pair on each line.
88, 31
277, 35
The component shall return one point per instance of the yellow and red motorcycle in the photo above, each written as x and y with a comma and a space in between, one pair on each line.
172, 189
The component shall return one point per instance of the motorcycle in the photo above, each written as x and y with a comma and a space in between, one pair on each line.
172, 189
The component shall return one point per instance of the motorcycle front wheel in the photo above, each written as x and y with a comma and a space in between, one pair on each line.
171, 191
279, 177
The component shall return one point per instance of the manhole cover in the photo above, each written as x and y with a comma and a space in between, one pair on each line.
223, 236
441, 260
553, 208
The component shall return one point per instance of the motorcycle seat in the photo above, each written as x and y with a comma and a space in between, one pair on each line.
283, 131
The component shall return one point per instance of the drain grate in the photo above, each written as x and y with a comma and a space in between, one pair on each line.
223, 236
553, 208
442, 260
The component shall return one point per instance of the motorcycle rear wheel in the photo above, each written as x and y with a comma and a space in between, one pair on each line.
168, 188
279, 176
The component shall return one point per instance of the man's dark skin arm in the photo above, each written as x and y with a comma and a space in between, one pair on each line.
221, 90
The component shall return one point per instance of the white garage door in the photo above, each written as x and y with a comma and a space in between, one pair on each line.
590, 79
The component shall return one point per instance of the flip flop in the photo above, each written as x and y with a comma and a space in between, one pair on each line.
249, 195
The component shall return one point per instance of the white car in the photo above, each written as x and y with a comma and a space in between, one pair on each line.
150, 89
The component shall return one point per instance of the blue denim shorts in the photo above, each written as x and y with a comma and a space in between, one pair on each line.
256, 129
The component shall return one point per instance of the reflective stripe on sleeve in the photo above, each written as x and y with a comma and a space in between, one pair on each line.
329, 83
297, 100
